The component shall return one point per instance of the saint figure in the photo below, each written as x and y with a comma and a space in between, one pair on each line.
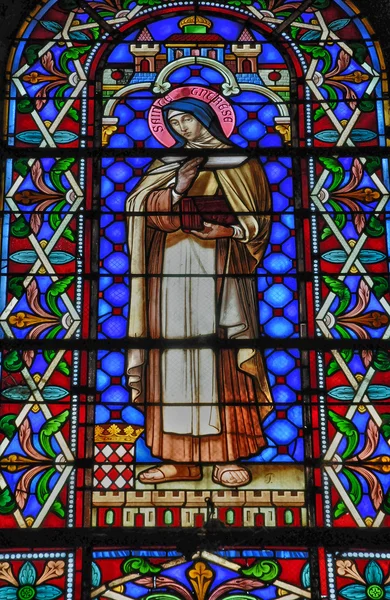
203, 402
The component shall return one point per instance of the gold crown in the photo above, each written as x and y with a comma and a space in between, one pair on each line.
195, 20
117, 433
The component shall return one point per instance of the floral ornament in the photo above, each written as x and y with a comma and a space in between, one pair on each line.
28, 586
356, 319
362, 464
371, 587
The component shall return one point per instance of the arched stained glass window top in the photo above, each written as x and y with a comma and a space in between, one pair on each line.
194, 293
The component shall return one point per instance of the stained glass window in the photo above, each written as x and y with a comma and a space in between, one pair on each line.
194, 301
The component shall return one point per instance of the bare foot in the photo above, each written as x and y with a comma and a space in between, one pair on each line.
164, 473
231, 475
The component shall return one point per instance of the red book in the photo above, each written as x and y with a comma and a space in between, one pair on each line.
195, 210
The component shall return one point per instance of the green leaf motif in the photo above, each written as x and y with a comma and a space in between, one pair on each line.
336, 168
16, 287
62, 165
340, 218
366, 104
73, 53
21, 166
263, 570
346, 354
55, 221
51, 427
20, 228
7, 426
54, 292
342, 292
355, 492
321, 53
62, 366
360, 52
31, 53
385, 427
25, 106
139, 565
58, 509
382, 361
373, 163
7, 503
348, 429
374, 227
13, 362
380, 287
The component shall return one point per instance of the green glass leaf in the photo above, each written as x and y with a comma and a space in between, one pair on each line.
73, 53
55, 221
42, 489
263, 570
13, 362
385, 427
360, 52
21, 166
366, 103
348, 429
51, 427
382, 361
336, 168
25, 106
319, 113
380, 287
58, 509
16, 287
31, 53
62, 165
54, 292
62, 366
374, 227
340, 218
355, 492
341, 290
20, 228
321, 53
7, 503
326, 232
139, 565
373, 163
343, 332
346, 354
7, 426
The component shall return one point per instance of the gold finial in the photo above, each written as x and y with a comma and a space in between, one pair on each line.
195, 24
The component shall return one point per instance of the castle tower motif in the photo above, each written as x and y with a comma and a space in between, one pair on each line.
145, 50
195, 40
246, 50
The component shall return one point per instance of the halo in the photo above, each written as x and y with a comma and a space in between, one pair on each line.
218, 103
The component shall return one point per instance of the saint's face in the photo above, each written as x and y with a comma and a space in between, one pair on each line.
187, 126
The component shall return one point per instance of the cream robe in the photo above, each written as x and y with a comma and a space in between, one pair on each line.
185, 386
